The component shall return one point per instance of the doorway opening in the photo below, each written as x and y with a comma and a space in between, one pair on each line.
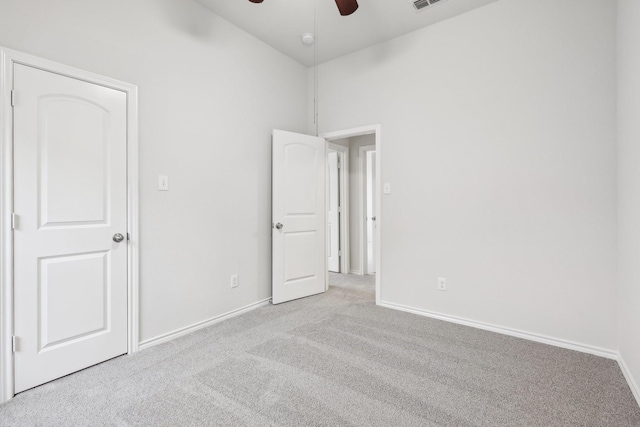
353, 206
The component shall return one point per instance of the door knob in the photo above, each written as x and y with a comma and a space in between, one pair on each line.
118, 237
279, 226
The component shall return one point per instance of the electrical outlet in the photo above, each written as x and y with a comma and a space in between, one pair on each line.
163, 183
442, 284
234, 281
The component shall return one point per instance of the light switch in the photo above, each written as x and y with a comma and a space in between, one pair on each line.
163, 183
386, 188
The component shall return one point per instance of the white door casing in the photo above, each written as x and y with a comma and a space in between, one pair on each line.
70, 198
299, 252
333, 213
375, 130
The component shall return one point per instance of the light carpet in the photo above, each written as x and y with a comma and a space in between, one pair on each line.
337, 359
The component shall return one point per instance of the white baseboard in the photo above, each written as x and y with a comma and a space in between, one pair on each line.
630, 380
188, 329
602, 352
358, 272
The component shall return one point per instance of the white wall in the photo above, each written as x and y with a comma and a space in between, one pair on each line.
498, 137
209, 96
629, 188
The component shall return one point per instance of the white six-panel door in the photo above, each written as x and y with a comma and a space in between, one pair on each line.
299, 212
70, 197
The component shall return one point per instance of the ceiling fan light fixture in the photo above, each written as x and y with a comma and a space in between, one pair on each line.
308, 39
347, 7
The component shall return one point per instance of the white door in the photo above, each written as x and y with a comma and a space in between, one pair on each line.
70, 197
299, 252
371, 212
333, 215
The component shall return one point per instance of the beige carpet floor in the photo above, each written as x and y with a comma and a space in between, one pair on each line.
336, 359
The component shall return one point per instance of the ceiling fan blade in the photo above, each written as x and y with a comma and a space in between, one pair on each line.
256, 1
347, 7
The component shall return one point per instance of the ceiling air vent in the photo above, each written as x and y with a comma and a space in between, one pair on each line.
420, 5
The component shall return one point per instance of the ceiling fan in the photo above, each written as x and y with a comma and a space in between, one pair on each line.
346, 7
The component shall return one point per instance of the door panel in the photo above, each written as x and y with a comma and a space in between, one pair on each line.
72, 192
299, 179
299, 252
85, 278
70, 195
300, 262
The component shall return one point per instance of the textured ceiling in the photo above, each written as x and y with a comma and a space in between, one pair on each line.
281, 23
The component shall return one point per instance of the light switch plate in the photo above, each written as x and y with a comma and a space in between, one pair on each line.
386, 188
163, 183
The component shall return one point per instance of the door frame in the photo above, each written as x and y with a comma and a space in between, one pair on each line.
368, 130
8, 58
343, 174
362, 200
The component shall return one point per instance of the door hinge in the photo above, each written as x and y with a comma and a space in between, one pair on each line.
128, 237
339, 253
339, 163
14, 344
13, 98
14, 221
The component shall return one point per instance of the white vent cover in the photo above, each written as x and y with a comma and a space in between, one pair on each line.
420, 5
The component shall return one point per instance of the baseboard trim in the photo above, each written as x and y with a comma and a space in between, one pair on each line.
633, 385
192, 328
597, 351
358, 272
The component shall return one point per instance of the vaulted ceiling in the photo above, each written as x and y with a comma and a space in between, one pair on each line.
281, 23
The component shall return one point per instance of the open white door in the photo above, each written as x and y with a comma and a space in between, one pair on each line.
371, 212
70, 246
333, 214
299, 216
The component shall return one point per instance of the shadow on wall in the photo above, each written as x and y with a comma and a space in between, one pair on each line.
188, 16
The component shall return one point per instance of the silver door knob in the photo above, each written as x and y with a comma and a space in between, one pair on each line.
279, 226
118, 237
